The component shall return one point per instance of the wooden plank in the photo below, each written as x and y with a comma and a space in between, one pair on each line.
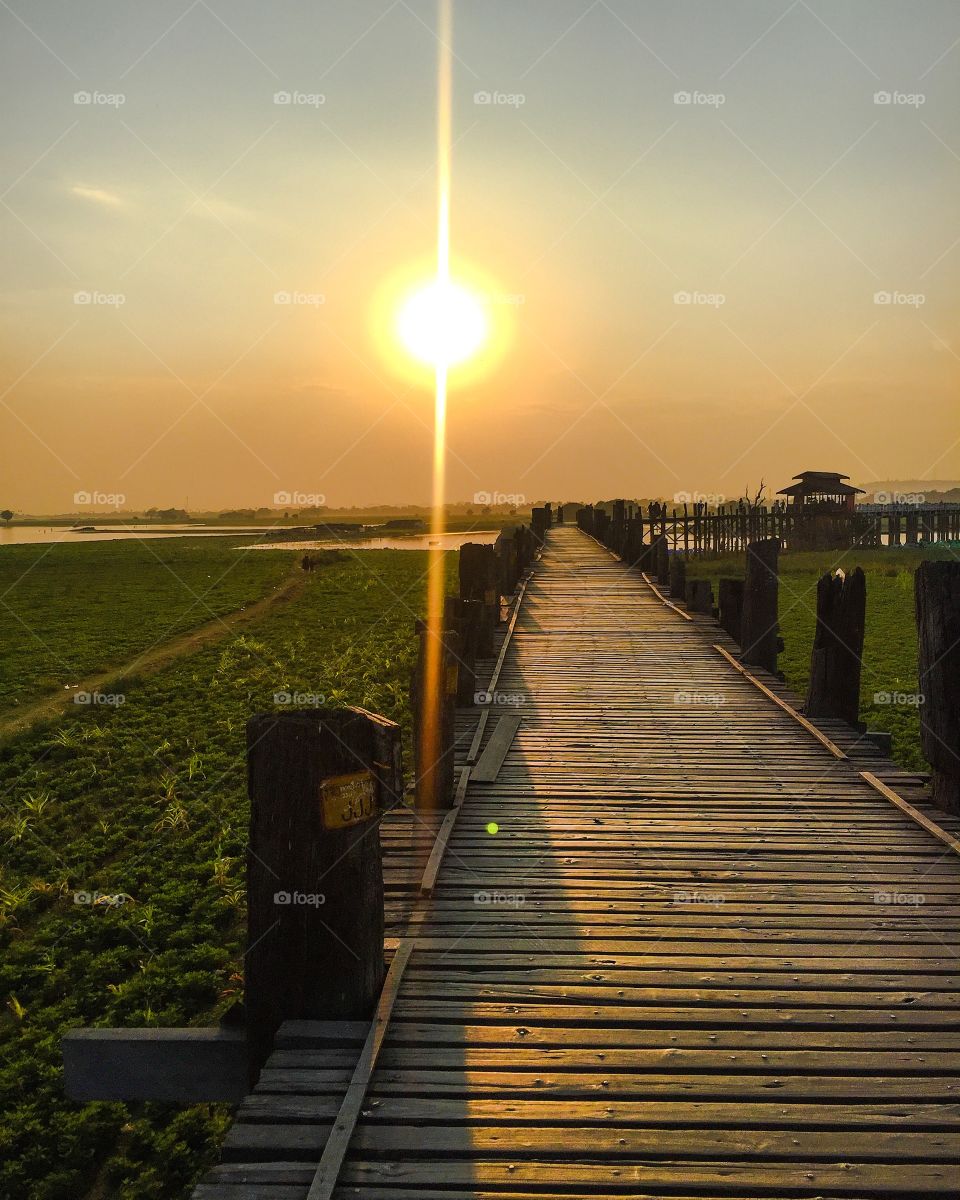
930, 826
335, 1149
186, 1066
490, 761
435, 861
662, 598
782, 704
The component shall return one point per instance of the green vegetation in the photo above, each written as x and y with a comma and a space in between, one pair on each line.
146, 804
70, 611
890, 641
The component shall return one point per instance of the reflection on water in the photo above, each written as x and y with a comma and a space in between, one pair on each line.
25, 535
22, 535
448, 541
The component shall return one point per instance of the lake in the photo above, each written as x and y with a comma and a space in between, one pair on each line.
21, 535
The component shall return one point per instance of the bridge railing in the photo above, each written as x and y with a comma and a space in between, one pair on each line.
698, 530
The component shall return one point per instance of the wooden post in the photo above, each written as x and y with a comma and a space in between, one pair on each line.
478, 581
759, 626
699, 596
435, 778
507, 560
937, 592
465, 617
678, 577
317, 782
730, 601
662, 559
835, 663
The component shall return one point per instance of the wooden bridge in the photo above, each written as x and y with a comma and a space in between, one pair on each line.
680, 946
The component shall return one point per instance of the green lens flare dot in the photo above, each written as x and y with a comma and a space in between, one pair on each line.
493, 827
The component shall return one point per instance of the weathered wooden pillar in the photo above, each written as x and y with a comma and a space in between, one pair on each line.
662, 559
633, 541
478, 581
730, 602
505, 555
678, 577
465, 617
760, 633
601, 524
836, 660
699, 596
317, 780
937, 592
434, 715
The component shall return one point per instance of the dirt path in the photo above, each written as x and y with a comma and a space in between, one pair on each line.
152, 660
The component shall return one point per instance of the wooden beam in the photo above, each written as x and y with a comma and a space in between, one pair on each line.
434, 862
186, 1066
787, 708
930, 826
491, 760
335, 1151
660, 596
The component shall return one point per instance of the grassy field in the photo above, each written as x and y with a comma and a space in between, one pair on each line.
148, 801
890, 641
70, 611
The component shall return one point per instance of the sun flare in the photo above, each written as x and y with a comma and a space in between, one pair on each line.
442, 324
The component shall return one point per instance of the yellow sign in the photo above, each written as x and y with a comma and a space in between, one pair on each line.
348, 799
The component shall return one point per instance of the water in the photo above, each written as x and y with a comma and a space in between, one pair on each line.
448, 541
28, 535
24, 535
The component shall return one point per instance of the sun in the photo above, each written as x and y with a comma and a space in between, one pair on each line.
442, 323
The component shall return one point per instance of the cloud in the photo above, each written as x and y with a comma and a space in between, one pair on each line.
97, 195
222, 210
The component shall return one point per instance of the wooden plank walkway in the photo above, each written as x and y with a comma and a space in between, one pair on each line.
699, 956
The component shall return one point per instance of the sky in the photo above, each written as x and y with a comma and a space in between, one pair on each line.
719, 241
